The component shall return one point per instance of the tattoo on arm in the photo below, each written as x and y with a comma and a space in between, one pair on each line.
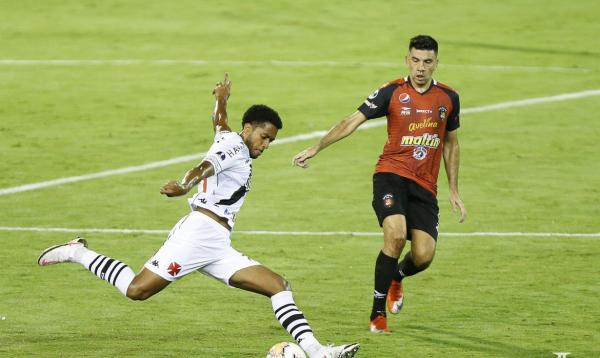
196, 174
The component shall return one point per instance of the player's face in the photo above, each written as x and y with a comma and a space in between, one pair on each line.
258, 137
422, 64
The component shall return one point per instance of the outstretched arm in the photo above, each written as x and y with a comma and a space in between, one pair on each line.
339, 131
190, 179
451, 163
221, 92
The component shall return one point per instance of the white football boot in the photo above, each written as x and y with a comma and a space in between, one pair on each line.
61, 253
343, 351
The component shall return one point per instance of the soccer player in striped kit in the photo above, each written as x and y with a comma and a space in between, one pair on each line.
422, 122
200, 241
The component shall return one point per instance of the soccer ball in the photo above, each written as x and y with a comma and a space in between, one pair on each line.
286, 350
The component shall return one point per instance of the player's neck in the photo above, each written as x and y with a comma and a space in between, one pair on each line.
245, 138
422, 88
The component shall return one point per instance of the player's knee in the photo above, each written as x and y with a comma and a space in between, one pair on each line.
422, 260
138, 292
399, 237
395, 241
280, 285
286, 285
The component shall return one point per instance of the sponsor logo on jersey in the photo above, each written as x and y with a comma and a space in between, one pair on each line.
443, 111
374, 94
388, 200
428, 111
235, 150
420, 152
154, 263
426, 140
404, 98
370, 104
426, 123
174, 269
405, 111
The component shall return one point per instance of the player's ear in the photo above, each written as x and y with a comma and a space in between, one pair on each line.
247, 128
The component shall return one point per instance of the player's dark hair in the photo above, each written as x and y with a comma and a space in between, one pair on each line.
259, 113
423, 42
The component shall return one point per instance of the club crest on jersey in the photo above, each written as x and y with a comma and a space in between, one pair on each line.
443, 111
388, 200
174, 269
404, 98
420, 153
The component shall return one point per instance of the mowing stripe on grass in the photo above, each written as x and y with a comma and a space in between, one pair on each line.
284, 140
165, 62
294, 233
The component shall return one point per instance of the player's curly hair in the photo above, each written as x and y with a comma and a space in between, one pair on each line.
259, 113
423, 42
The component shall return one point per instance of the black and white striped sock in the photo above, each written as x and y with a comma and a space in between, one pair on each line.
292, 319
110, 270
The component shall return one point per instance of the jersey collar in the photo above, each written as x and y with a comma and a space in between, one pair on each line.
433, 83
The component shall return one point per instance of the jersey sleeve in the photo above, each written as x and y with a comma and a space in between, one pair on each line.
225, 152
377, 104
454, 117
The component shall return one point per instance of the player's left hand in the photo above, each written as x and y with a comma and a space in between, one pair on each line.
457, 204
173, 188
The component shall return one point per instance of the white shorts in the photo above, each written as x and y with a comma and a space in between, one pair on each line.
198, 243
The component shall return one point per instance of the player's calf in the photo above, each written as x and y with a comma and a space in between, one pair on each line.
110, 270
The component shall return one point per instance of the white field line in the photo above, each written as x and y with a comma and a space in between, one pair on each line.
283, 63
292, 233
285, 140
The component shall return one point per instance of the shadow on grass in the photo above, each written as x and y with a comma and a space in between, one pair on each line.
455, 339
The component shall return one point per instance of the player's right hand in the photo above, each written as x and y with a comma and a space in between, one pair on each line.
223, 89
173, 188
301, 159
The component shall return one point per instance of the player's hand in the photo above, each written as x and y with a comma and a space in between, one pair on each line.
301, 159
223, 89
457, 204
173, 188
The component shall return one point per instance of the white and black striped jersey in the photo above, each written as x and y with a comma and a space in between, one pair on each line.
224, 192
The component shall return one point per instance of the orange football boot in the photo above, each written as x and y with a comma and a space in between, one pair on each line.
395, 297
379, 324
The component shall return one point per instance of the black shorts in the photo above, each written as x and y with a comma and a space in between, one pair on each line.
393, 194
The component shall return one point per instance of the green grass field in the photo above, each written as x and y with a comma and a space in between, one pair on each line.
531, 169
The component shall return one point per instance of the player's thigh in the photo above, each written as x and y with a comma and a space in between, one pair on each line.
259, 279
394, 227
394, 235
389, 199
146, 284
240, 271
194, 242
422, 211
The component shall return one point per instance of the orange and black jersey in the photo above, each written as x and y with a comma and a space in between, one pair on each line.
417, 124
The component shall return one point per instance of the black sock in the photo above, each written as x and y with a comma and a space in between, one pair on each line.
407, 267
385, 267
